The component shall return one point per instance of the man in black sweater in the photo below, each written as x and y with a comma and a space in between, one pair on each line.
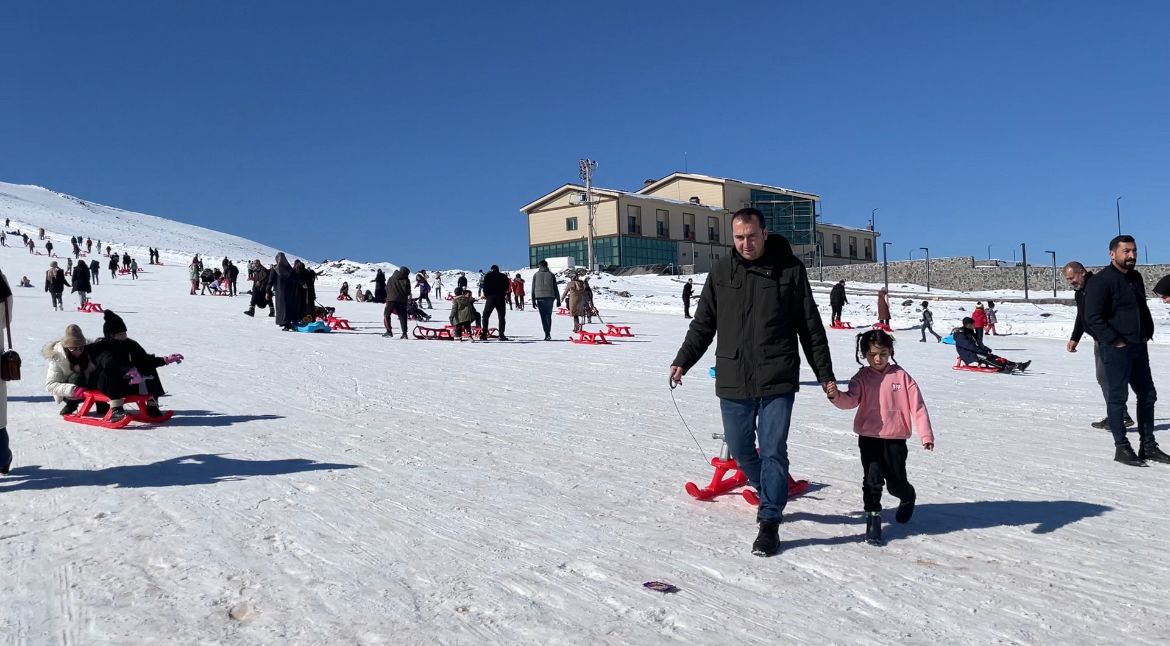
1119, 319
1078, 278
495, 285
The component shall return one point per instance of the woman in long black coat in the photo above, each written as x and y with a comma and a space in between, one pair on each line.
380, 287
284, 292
81, 282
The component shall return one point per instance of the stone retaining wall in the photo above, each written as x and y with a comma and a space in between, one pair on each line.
962, 274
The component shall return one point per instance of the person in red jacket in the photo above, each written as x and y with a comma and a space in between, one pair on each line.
980, 318
518, 291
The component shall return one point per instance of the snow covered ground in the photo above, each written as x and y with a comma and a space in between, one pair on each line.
351, 489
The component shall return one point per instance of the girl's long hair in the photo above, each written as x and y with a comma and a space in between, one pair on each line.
871, 338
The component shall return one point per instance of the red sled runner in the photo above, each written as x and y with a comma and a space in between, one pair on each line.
620, 331
434, 333
94, 396
841, 325
959, 365
585, 337
882, 326
722, 483
91, 307
335, 323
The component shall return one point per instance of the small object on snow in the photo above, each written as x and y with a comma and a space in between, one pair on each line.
242, 611
660, 586
908, 302
1045, 315
711, 371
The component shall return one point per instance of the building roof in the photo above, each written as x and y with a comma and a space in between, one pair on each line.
720, 180
846, 228
610, 192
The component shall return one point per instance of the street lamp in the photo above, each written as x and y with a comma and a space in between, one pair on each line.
1024, 251
587, 166
1053, 272
927, 250
886, 265
1117, 202
873, 221
989, 252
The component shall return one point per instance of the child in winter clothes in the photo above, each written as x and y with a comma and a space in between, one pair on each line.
992, 319
888, 403
463, 313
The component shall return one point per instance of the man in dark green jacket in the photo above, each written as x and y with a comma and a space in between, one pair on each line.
760, 302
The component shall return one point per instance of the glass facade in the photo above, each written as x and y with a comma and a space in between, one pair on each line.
789, 215
648, 251
606, 250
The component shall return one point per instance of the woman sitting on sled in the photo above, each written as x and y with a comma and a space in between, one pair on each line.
973, 352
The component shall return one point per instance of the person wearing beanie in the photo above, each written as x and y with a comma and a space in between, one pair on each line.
55, 284
123, 367
69, 368
1162, 289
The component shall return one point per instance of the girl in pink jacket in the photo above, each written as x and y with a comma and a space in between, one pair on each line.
888, 402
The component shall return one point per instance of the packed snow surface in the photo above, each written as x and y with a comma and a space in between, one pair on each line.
352, 489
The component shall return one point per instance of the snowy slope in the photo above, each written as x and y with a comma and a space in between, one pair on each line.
352, 489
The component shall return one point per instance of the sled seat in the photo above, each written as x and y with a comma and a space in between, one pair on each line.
91, 307
434, 333
841, 325
585, 337
91, 397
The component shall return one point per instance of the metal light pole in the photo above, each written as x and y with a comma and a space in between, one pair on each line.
1024, 251
1117, 202
587, 166
886, 265
927, 250
989, 252
873, 220
1053, 272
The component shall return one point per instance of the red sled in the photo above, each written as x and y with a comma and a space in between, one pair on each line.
590, 338
561, 311
883, 327
335, 323
492, 333
722, 483
343, 297
91, 307
959, 365
618, 330
841, 325
434, 333
449, 297
94, 396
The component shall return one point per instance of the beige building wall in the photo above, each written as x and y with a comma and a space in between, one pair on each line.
683, 189
546, 223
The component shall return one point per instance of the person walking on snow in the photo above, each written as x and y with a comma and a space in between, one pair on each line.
495, 288
759, 300
518, 291
979, 316
397, 301
95, 270
544, 292
928, 323
424, 289
49, 248
113, 267
55, 284
133, 269
992, 319
888, 404
837, 301
1078, 278
81, 282
439, 284
574, 297
883, 306
688, 290
1119, 318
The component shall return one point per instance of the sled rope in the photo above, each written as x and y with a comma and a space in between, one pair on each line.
684, 420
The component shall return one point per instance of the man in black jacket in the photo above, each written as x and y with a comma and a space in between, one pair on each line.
688, 289
1119, 319
495, 287
1078, 278
1162, 289
837, 302
760, 302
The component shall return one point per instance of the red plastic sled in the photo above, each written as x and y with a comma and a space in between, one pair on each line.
492, 332
841, 325
959, 365
585, 337
434, 333
91, 307
618, 330
94, 396
343, 297
335, 323
883, 327
561, 311
449, 297
721, 483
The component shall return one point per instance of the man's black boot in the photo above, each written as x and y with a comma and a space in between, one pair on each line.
1125, 455
1153, 454
251, 311
767, 542
905, 511
873, 528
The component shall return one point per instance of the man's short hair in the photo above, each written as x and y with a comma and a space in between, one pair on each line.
543, 264
1072, 265
748, 212
1120, 239
967, 320
495, 267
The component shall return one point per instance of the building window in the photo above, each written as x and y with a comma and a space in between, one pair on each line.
837, 245
633, 219
662, 218
713, 230
868, 249
689, 226
852, 246
570, 224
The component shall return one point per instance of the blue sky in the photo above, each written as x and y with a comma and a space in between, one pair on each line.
413, 133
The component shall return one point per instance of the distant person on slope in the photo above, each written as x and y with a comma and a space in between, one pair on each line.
883, 306
424, 289
518, 291
928, 323
81, 283
397, 301
133, 269
495, 288
439, 284
113, 267
55, 284
49, 248
283, 281
992, 319
193, 274
888, 404
95, 270
574, 297
837, 300
380, 287
343, 293
463, 313
233, 276
979, 316
1078, 278
544, 292
260, 291
687, 295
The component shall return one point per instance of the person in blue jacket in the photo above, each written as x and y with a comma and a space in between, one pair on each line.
972, 351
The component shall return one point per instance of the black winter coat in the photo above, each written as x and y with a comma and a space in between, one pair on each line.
1116, 308
688, 289
284, 294
495, 284
1079, 327
837, 296
398, 289
55, 281
760, 309
380, 287
81, 278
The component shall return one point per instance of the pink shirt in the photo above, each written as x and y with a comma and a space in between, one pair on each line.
886, 403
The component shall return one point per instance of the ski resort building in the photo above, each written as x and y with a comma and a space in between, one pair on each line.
682, 222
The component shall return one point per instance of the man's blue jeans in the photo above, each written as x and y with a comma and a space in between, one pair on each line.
767, 471
545, 306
